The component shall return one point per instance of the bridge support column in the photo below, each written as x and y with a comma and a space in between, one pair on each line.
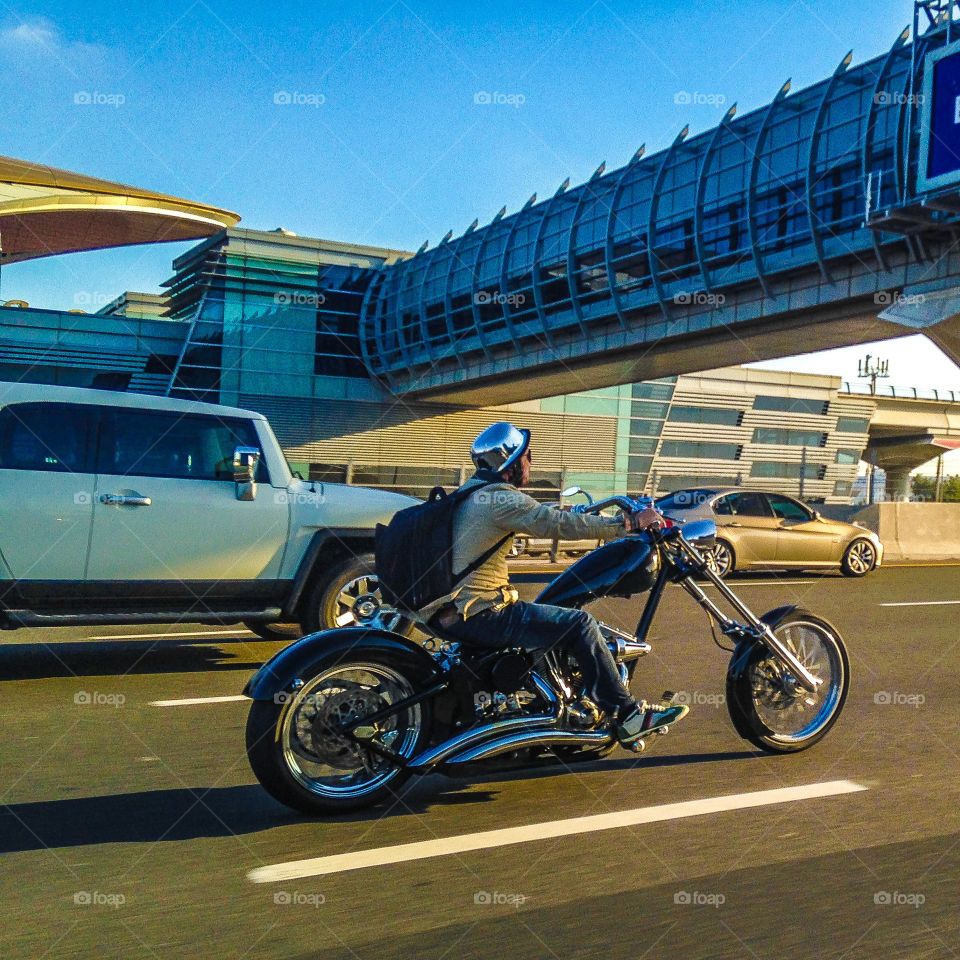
898, 483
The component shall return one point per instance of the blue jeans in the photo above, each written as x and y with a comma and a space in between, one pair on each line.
539, 627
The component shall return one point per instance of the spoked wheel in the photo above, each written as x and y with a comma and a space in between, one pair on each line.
349, 596
859, 559
301, 758
720, 559
767, 705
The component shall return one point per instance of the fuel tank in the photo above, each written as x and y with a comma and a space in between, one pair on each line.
619, 568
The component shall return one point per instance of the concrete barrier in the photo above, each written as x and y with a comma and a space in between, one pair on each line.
915, 531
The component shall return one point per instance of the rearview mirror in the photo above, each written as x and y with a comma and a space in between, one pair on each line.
573, 491
245, 463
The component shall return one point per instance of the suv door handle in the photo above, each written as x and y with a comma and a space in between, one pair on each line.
117, 499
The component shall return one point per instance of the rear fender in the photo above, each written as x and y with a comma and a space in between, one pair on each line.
316, 651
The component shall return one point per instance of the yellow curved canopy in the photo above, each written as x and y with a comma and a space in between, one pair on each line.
45, 211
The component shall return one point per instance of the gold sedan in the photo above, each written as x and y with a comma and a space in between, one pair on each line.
758, 530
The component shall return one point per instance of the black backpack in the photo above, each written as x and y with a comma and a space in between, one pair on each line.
414, 551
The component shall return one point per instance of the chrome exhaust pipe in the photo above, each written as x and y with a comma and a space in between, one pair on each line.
532, 738
454, 745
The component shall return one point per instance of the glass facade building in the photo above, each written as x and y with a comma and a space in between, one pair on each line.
270, 321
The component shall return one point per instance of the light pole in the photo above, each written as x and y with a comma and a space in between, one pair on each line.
873, 371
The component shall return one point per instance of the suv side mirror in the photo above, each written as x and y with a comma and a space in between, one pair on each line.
817, 515
245, 463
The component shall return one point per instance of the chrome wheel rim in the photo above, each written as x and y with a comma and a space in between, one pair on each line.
720, 560
328, 764
359, 604
791, 713
861, 556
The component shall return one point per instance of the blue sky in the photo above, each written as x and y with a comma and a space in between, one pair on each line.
385, 143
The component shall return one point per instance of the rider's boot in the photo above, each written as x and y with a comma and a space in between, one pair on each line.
647, 718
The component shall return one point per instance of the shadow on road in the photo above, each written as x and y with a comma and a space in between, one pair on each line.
35, 661
152, 816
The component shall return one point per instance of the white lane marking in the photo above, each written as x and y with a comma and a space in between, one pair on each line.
445, 846
190, 701
187, 633
921, 603
763, 583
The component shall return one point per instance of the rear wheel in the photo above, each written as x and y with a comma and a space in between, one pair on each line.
301, 759
767, 705
721, 559
859, 558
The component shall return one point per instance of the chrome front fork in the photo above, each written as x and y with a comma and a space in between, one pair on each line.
763, 631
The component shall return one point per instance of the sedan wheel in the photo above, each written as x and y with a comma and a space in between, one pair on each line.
720, 558
859, 558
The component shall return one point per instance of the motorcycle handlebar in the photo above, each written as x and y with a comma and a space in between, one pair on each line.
625, 503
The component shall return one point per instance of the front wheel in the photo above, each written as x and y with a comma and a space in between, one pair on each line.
859, 558
299, 756
767, 705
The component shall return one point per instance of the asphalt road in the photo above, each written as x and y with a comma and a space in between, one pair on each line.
129, 829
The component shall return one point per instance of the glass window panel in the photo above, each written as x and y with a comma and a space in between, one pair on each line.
53, 437
705, 415
790, 404
701, 450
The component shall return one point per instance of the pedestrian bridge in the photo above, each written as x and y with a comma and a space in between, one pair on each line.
828, 217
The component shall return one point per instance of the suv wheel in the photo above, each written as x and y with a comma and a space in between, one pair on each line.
348, 595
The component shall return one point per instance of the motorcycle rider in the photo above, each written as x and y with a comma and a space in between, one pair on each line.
485, 610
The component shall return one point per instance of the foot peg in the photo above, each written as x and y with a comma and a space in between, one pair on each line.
663, 731
638, 746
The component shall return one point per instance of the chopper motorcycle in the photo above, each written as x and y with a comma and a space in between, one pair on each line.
341, 718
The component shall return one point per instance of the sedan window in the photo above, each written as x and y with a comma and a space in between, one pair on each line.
743, 505
786, 509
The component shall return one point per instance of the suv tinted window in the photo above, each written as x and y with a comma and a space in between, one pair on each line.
743, 505
787, 509
186, 446
47, 436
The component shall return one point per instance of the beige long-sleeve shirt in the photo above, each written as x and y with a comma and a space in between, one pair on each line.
492, 512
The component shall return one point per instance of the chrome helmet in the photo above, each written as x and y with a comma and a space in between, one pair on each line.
499, 447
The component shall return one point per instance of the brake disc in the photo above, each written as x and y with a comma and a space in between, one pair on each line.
318, 725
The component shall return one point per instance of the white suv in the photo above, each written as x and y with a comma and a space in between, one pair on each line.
121, 508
